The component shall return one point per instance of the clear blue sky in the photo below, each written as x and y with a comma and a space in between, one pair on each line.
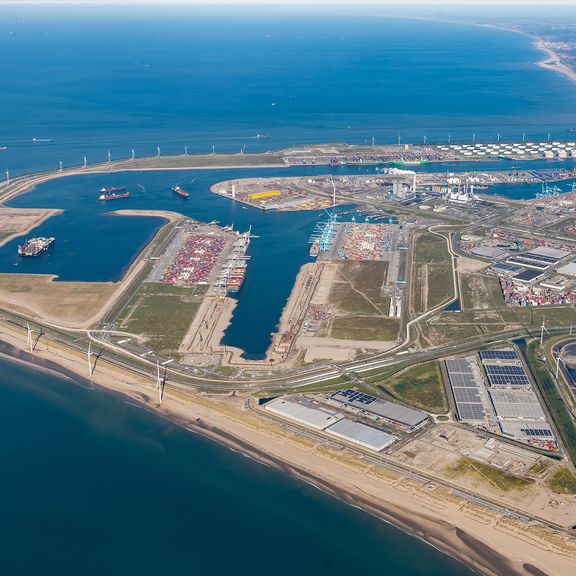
272, 2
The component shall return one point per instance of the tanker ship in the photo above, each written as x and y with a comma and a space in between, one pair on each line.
35, 246
180, 192
113, 193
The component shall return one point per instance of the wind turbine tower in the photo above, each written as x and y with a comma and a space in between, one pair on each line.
89, 358
29, 341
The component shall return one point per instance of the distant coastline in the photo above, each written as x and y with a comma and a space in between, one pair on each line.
551, 61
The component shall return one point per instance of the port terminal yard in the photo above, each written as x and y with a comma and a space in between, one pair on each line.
345, 296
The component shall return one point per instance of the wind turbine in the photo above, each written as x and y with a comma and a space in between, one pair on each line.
89, 358
542, 331
29, 342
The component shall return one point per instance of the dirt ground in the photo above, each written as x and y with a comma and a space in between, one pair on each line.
67, 303
16, 222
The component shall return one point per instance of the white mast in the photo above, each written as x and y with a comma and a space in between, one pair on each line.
29, 341
89, 358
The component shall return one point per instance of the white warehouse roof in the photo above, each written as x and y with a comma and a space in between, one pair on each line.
304, 412
361, 434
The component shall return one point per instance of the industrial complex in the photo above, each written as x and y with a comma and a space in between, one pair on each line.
427, 335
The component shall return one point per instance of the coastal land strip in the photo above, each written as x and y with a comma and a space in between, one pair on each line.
482, 539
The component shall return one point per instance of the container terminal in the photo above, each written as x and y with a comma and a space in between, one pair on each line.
204, 254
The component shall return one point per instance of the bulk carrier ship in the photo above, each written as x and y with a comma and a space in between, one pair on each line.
35, 246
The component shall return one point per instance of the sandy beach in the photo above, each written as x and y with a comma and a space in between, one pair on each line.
491, 544
552, 61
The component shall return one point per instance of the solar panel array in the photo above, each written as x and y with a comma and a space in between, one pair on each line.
541, 258
498, 355
506, 375
536, 432
390, 410
466, 389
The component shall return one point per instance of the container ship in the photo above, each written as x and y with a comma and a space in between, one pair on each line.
234, 275
35, 246
180, 192
113, 193
410, 162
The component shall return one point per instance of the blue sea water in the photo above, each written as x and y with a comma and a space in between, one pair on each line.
93, 80
96, 486
92, 485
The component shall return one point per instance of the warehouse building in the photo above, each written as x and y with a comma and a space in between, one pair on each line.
361, 434
393, 414
304, 411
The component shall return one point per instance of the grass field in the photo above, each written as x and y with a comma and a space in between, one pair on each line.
358, 288
431, 249
478, 291
440, 284
553, 399
162, 314
497, 478
361, 308
365, 328
563, 481
432, 281
420, 386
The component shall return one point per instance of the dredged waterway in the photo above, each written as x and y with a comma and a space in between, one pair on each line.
94, 246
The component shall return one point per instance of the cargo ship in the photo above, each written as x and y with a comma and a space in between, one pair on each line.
238, 263
113, 194
410, 162
180, 192
315, 248
35, 246
236, 278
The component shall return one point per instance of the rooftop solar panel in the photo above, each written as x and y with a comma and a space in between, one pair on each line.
504, 369
498, 355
